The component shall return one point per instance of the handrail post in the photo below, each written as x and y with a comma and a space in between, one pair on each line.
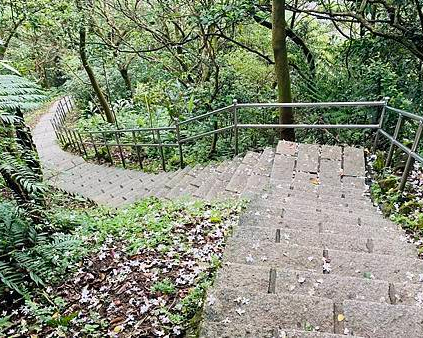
82, 144
235, 110
382, 116
178, 137
94, 146
119, 146
410, 158
67, 134
77, 142
161, 150
395, 136
67, 105
137, 149
107, 147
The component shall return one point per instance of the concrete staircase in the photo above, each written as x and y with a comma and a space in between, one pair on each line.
312, 257
113, 186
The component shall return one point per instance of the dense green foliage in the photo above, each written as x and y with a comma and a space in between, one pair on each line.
147, 64
155, 62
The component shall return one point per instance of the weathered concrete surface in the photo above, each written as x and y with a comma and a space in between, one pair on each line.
314, 233
113, 186
311, 256
381, 321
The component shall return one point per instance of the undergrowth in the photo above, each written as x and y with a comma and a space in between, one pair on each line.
138, 271
406, 207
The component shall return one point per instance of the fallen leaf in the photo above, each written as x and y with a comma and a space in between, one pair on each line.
117, 320
314, 181
341, 317
118, 329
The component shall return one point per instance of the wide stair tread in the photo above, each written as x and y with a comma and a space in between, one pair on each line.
266, 220
262, 279
338, 241
219, 330
309, 258
240, 309
244, 170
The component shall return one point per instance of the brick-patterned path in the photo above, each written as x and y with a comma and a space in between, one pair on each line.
311, 256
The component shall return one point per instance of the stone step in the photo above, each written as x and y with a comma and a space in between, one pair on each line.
236, 309
244, 170
208, 183
331, 153
264, 164
183, 187
254, 186
344, 263
223, 330
284, 281
175, 180
308, 157
204, 175
286, 148
335, 287
346, 218
315, 212
283, 166
221, 179
268, 219
353, 161
316, 205
339, 203
382, 321
251, 158
84, 177
312, 237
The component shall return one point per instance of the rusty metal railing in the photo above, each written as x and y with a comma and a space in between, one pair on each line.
135, 138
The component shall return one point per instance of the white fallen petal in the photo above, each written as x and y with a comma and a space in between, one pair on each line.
240, 311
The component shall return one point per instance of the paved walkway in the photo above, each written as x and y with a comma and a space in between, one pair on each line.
311, 256
116, 187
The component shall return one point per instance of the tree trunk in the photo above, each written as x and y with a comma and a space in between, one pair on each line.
2, 52
96, 87
125, 76
280, 53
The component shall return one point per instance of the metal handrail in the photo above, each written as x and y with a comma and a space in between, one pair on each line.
73, 137
202, 116
312, 104
128, 130
308, 126
405, 113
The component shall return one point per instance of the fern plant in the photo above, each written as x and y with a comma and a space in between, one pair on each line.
17, 92
29, 258
19, 229
19, 165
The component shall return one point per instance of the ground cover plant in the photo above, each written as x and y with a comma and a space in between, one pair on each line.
406, 207
139, 271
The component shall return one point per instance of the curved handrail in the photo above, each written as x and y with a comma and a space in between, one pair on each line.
73, 137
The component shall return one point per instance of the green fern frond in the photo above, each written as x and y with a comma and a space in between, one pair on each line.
17, 92
11, 278
22, 174
7, 119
